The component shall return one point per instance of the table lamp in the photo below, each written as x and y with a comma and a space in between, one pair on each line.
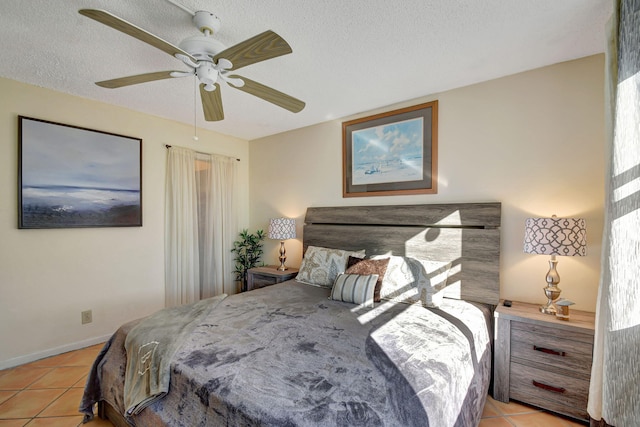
554, 236
282, 229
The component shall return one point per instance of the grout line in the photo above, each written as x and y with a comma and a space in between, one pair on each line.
510, 421
51, 403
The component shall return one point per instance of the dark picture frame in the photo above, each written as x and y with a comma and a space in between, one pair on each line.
392, 153
74, 177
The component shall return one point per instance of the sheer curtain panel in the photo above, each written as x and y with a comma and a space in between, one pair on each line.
182, 264
614, 393
200, 226
216, 179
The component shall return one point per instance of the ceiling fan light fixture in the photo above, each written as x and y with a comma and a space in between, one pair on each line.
207, 74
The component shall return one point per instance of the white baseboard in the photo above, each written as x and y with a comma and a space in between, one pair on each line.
10, 363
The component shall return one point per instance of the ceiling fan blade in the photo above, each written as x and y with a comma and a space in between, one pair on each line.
128, 28
134, 80
264, 46
212, 103
271, 95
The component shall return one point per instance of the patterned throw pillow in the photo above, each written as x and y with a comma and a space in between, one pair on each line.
369, 266
320, 266
355, 288
411, 280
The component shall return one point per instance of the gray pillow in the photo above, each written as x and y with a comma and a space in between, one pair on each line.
320, 266
355, 288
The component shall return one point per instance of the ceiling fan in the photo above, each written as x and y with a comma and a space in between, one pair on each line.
208, 59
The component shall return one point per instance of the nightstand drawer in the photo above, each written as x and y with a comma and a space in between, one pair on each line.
542, 388
552, 347
259, 277
260, 281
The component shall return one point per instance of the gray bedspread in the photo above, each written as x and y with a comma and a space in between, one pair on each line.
286, 355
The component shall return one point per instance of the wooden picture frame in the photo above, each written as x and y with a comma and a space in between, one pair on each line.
392, 153
73, 177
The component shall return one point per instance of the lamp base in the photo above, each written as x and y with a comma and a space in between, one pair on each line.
549, 308
282, 258
552, 292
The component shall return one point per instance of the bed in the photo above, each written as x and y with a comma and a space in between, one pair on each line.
299, 353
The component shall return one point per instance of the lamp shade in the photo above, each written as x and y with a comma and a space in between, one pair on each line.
282, 228
555, 236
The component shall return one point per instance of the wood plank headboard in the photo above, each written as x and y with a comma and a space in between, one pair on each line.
467, 234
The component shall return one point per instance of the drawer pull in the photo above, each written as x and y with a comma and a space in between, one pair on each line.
548, 387
549, 351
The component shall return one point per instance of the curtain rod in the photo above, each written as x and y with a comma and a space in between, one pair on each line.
200, 152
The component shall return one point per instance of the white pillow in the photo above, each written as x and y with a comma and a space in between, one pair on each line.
320, 266
355, 288
411, 280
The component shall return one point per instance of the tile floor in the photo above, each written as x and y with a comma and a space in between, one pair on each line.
47, 393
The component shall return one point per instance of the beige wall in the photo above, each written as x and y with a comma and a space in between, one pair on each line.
47, 277
533, 141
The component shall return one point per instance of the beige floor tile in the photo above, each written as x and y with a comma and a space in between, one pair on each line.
490, 410
61, 377
52, 361
540, 419
84, 357
21, 377
65, 405
83, 380
495, 422
513, 408
14, 423
5, 395
28, 403
56, 422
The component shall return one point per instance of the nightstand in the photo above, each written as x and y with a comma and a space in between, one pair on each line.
259, 277
543, 361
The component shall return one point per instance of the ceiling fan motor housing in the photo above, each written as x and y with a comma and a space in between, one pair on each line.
201, 47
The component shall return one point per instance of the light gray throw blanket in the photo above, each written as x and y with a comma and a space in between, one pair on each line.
150, 347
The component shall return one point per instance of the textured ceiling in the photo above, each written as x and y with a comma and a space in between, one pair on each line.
348, 56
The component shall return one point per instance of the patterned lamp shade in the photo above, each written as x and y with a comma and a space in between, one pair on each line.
282, 228
555, 236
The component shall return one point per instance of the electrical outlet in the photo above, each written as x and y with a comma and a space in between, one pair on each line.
86, 317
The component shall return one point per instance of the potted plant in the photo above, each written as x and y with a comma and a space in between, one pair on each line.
248, 250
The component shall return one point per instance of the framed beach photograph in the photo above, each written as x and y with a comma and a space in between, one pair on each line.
392, 153
72, 177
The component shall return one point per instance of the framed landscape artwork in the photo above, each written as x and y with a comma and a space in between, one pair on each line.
393, 153
72, 177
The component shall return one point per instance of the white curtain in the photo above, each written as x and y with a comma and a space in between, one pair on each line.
217, 178
199, 226
614, 394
